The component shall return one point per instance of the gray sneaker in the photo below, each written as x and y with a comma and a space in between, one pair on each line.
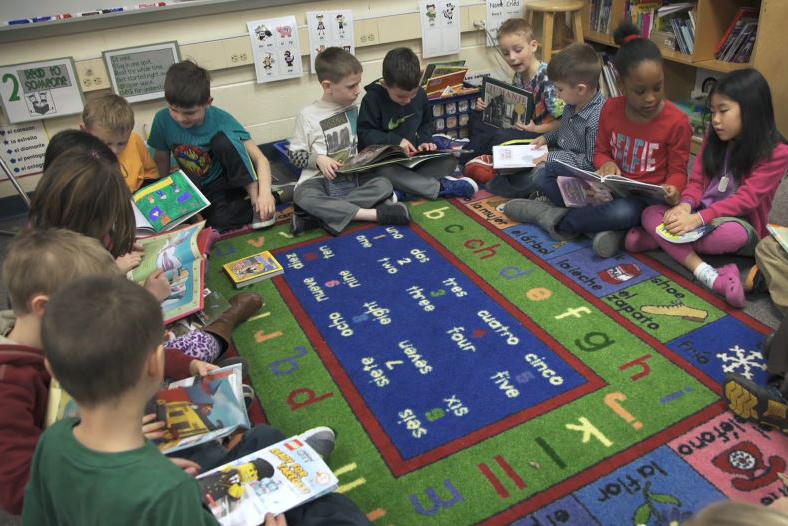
607, 243
321, 439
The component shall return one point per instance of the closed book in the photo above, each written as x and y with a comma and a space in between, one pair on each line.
252, 269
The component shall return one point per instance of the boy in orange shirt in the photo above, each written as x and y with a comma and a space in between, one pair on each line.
109, 117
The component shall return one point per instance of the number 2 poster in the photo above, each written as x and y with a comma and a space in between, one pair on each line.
40, 90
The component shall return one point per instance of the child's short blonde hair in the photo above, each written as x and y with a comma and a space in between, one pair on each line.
737, 513
111, 111
516, 26
43, 261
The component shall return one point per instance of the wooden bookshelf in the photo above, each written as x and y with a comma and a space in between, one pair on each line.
713, 18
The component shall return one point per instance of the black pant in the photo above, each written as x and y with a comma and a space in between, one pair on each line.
230, 207
777, 361
484, 137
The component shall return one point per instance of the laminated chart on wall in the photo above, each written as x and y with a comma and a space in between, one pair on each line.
40, 90
277, 51
327, 29
499, 11
23, 147
440, 28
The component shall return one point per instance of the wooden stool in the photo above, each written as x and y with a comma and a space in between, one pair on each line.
549, 8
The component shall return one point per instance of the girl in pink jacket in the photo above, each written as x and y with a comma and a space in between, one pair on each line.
731, 188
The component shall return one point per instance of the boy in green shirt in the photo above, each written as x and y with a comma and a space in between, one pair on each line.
102, 337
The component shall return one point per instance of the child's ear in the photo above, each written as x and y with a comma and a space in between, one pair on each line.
38, 305
210, 101
534, 45
82, 127
326, 85
155, 364
582, 89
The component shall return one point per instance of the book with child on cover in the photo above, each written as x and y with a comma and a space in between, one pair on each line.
175, 253
252, 269
167, 203
581, 188
197, 410
506, 105
272, 480
376, 155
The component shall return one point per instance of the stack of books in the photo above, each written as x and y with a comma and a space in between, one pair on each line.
608, 80
600, 15
737, 43
444, 79
642, 13
674, 27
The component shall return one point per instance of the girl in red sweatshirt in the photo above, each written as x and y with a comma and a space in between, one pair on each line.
731, 187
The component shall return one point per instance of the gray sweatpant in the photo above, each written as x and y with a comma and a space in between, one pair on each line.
337, 212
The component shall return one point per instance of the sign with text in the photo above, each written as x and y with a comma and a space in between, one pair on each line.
40, 90
498, 11
23, 147
138, 73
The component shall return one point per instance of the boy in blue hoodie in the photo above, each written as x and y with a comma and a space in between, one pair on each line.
396, 111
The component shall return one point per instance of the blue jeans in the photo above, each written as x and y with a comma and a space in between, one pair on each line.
518, 184
621, 213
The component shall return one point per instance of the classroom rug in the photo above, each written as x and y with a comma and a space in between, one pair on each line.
477, 372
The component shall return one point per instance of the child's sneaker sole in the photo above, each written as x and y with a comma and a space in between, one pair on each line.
752, 402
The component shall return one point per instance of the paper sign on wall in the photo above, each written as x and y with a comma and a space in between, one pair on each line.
327, 29
277, 51
499, 11
440, 27
138, 73
40, 90
23, 146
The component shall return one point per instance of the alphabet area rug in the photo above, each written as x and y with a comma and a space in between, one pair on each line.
476, 371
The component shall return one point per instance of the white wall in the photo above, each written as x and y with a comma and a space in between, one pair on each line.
267, 110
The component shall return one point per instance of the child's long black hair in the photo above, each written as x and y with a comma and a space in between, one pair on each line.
633, 49
759, 135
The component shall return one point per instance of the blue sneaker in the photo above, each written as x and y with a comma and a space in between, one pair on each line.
446, 142
457, 187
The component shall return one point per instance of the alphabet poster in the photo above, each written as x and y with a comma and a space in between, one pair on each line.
440, 27
327, 29
40, 90
498, 11
277, 51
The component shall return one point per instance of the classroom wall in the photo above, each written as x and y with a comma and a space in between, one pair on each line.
267, 110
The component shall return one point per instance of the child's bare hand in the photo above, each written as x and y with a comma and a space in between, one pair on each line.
201, 368
428, 147
480, 104
598, 193
328, 166
265, 205
130, 260
541, 159
673, 194
158, 285
678, 210
152, 429
408, 146
684, 223
609, 168
539, 142
530, 127
279, 520
190, 467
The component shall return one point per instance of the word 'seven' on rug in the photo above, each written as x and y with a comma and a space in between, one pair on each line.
476, 371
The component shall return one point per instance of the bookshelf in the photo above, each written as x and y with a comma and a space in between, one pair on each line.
713, 18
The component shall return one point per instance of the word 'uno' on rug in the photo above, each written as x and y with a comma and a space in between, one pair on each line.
476, 371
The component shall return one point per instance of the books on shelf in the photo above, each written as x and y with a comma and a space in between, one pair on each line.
167, 203
608, 81
252, 269
738, 41
507, 104
176, 253
516, 156
617, 184
600, 15
272, 480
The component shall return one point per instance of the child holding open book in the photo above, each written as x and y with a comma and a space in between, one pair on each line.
731, 187
641, 136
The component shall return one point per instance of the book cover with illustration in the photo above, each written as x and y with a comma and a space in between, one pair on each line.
275, 479
507, 105
376, 155
60, 405
252, 269
200, 409
780, 233
517, 156
176, 253
167, 203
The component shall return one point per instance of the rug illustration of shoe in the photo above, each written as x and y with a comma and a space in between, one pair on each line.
677, 309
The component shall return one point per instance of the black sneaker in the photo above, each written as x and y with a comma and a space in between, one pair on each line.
756, 403
395, 214
300, 221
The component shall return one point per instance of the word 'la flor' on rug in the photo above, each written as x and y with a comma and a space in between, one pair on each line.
476, 371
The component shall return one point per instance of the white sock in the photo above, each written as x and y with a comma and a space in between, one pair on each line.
706, 274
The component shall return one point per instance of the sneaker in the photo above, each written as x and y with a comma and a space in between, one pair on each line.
480, 169
395, 214
300, 221
283, 193
258, 223
607, 243
457, 187
446, 142
321, 439
249, 395
756, 403
728, 285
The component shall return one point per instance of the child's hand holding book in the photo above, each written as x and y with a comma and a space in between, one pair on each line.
328, 166
679, 219
609, 168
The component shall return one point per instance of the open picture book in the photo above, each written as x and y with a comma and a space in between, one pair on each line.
175, 253
780, 233
581, 188
274, 479
195, 410
506, 105
167, 203
508, 157
384, 154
